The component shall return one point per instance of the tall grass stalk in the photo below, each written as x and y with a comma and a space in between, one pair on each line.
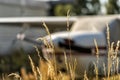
85, 76
68, 16
38, 52
48, 32
71, 65
17, 76
68, 29
108, 54
66, 62
96, 71
52, 46
97, 61
3, 78
97, 51
104, 69
33, 68
39, 73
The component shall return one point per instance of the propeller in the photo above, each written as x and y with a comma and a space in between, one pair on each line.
11, 46
25, 27
25, 38
21, 36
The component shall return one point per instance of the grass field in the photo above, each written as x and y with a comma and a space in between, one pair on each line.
48, 70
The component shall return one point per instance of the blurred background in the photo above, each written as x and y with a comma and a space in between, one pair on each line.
16, 14
18, 8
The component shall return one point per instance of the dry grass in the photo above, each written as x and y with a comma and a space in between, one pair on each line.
47, 70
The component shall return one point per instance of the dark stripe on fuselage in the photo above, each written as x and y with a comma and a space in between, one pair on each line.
79, 48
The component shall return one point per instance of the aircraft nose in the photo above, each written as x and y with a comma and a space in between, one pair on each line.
20, 36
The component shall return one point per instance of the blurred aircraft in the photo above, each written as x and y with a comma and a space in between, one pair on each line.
79, 40
80, 43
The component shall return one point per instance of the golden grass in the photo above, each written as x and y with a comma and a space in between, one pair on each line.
47, 70
33, 68
17, 76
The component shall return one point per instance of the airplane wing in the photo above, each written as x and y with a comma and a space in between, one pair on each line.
11, 26
50, 20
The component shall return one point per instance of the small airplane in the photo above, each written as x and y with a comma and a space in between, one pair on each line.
80, 43
79, 40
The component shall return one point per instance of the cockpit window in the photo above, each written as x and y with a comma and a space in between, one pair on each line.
90, 24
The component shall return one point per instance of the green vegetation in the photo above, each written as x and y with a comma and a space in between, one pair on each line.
79, 7
113, 7
61, 9
87, 7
